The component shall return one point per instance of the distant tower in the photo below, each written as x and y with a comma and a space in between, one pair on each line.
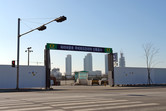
121, 60
88, 62
68, 65
106, 64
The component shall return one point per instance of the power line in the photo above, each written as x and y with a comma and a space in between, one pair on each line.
37, 18
27, 25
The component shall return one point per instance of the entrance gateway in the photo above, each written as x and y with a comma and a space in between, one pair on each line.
53, 46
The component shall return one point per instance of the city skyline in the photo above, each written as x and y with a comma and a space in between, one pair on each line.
121, 25
87, 64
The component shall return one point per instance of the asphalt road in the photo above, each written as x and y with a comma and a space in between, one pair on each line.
86, 98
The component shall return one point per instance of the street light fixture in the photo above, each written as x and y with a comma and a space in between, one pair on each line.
41, 28
28, 50
60, 19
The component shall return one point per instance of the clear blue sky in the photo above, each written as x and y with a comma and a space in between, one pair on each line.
119, 24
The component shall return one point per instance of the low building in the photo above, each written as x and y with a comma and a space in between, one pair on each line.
56, 73
94, 74
81, 77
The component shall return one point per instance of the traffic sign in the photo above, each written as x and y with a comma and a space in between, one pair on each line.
78, 48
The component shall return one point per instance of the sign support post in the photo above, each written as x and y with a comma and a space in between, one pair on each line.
48, 67
110, 70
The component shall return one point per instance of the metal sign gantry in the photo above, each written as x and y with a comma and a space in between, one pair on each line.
66, 47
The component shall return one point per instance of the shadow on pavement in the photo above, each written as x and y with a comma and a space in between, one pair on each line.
136, 87
28, 90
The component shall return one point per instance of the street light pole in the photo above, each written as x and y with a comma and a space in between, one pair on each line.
18, 51
41, 28
28, 50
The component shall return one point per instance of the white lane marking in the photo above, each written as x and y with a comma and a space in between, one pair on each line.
24, 106
76, 101
27, 109
96, 105
7, 101
56, 110
91, 102
47, 103
72, 100
117, 107
52, 98
3, 108
29, 103
18, 103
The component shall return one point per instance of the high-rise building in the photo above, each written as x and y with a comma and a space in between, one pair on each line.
121, 60
88, 62
106, 64
68, 65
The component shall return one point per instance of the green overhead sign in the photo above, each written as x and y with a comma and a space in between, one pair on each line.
78, 48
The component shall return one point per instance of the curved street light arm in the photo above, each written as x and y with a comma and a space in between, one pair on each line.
36, 28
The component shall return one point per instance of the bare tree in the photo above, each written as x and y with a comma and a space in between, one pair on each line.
150, 53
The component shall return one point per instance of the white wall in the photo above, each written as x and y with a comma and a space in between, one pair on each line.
7, 77
34, 76
29, 77
134, 75
159, 76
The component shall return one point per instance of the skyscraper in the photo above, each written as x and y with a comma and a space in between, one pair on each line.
68, 65
106, 64
121, 60
88, 62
